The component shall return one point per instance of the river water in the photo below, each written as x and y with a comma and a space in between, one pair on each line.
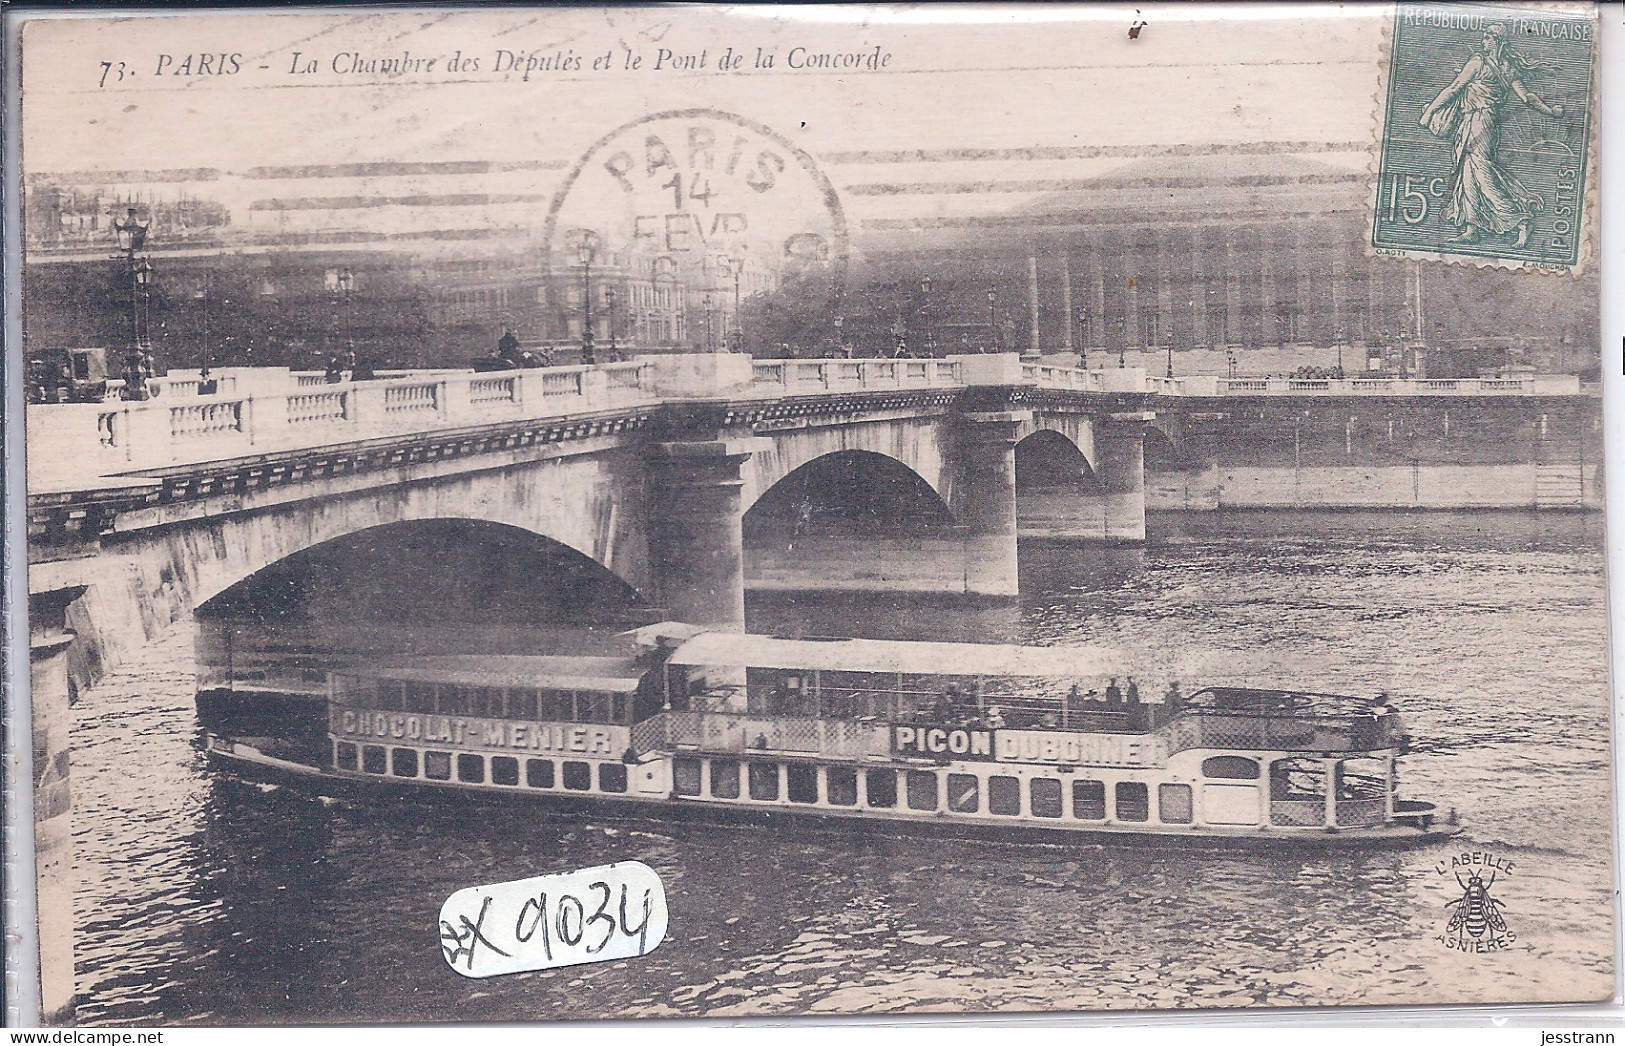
201, 902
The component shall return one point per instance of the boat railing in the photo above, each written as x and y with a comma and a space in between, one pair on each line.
743, 733
1287, 732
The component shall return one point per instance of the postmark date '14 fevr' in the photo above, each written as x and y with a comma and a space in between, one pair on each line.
1486, 136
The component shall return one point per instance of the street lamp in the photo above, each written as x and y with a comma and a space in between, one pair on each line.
1170, 357
992, 323
736, 337
708, 345
925, 316
132, 236
1083, 338
586, 249
609, 303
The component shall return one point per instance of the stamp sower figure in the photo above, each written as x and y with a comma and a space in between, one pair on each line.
1486, 197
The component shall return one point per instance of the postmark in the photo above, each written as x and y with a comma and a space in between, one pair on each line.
707, 207
1485, 149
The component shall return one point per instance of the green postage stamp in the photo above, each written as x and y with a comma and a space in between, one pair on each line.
1486, 136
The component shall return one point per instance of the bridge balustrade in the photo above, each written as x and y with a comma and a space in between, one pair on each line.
273, 409
799, 377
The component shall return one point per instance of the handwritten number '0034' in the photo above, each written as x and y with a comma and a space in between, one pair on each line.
533, 917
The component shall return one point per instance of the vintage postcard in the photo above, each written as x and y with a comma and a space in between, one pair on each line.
545, 513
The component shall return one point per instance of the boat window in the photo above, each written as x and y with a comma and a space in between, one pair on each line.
725, 779
592, 707
493, 702
555, 705
685, 776
964, 793
437, 766
419, 697
454, 699
373, 759
539, 773
1004, 796
1089, 800
387, 695
1174, 804
1230, 767
841, 786
504, 770
922, 789
801, 783
1133, 801
1045, 795
405, 762
577, 776
881, 787
471, 768
612, 777
522, 703
344, 756
764, 780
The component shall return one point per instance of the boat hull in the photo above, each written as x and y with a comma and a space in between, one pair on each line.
244, 762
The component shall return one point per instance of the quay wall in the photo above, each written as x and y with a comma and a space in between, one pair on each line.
1473, 453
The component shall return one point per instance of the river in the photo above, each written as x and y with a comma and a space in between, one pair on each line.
203, 902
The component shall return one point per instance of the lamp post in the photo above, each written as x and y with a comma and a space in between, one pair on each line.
925, 317
586, 250
609, 304
1170, 358
840, 341
346, 287
992, 322
1083, 338
709, 347
132, 236
736, 336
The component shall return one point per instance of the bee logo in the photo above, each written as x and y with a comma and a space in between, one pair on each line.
1475, 913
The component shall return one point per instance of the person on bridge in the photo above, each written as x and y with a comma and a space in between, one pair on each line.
508, 347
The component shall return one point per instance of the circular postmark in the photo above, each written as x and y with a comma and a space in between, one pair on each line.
695, 211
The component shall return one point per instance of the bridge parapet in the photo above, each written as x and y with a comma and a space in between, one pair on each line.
809, 377
1534, 385
276, 411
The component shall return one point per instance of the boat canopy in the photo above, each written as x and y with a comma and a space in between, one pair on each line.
893, 657
613, 675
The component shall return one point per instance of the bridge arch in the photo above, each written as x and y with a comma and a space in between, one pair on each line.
858, 490
921, 444
442, 570
1050, 458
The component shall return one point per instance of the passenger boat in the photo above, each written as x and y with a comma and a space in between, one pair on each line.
1010, 741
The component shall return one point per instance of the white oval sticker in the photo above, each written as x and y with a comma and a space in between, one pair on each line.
615, 911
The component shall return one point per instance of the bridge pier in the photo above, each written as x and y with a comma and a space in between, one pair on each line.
696, 544
1120, 472
984, 500
48, 643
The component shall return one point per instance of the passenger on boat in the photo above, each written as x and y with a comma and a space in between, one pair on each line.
946, 706
1173, 700
995, 718
1133, 692
1114, 695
